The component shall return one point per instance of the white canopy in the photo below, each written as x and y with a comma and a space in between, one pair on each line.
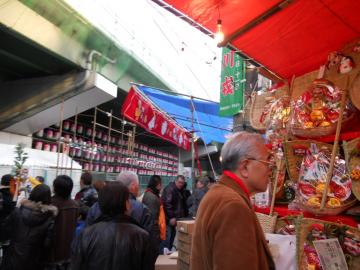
37, 158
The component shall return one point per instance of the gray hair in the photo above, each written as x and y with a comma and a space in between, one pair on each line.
127, 178
239, 146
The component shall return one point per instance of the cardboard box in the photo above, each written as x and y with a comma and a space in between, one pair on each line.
186, 226
164, 262
184, 237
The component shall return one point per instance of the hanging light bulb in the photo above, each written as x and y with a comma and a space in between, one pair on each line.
219, 35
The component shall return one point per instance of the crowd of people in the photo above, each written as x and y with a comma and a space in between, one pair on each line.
105, 226
109, 226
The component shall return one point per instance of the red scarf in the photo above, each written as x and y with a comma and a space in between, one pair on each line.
237, 181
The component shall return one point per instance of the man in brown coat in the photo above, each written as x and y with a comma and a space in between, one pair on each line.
227, 233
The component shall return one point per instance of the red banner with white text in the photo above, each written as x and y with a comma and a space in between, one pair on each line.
141, 111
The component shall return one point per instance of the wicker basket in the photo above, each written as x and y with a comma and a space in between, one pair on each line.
284, 221
327, 211
267, 222
294, 158
352, 161
317, 132
302, 84
303, 226
258, 102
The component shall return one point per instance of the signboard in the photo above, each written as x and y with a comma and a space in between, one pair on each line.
331, 254
232, 83
139, 109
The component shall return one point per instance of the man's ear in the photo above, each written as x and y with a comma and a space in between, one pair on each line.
243, 168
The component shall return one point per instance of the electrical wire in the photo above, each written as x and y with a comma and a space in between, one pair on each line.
206, 149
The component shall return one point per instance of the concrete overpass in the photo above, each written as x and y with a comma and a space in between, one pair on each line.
49, 42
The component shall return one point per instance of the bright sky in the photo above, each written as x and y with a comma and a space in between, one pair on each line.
181, 55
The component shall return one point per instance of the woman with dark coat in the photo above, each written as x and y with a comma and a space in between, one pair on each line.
115, 241
152, 196
30, 228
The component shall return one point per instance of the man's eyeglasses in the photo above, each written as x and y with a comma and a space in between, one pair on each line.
270, 164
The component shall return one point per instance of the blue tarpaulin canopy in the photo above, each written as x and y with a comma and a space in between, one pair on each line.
208, 125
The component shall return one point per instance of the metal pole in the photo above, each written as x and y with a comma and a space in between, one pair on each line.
61, 129
109, 134
72, 159
93, 136
192, 142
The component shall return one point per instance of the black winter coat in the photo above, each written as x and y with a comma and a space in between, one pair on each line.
30, 228
112, 244
194, 200
7, 207
174, 202
152, 201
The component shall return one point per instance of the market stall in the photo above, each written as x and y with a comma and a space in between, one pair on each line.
310, 118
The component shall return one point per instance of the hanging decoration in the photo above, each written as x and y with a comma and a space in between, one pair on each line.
140, 110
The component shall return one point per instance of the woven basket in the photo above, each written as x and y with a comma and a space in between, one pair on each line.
327, 211
293, 159
317, 132
284, 221
352, 161
302, 84
258, 102
303, 226
267, 222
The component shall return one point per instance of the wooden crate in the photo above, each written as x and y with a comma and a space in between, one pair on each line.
182, 265
184, 257
186, 226
186, 247
184, 237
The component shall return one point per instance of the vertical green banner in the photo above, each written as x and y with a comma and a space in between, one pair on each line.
232, 83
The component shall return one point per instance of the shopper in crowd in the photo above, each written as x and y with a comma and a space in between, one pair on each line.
8, 204
40, 179
174, 200
152, 200
227, 233
30, 228
139, 211
81, 221
199, 192
151, 196
98, 185
87, 194
115, 241
65, 223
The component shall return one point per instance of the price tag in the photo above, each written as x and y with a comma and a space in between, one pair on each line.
331, 255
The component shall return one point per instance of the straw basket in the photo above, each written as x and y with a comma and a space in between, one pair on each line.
317, 132
285, 221
303, 228
304, 83
294, 154
327, 211
267, 222
352, 161
258, 102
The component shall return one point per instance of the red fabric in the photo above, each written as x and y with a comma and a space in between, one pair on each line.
294, 41
206, 12
284, 211
238, 181
348, 136
141, 111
